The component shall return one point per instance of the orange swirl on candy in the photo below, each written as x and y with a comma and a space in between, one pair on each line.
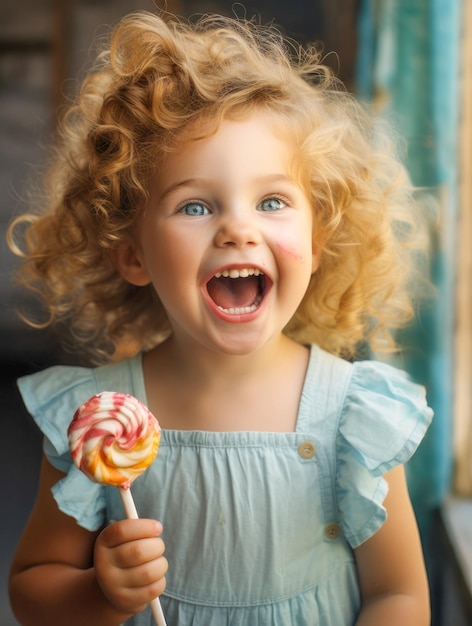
113, 438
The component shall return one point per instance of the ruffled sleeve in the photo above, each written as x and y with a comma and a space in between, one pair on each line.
384, 419
51, 397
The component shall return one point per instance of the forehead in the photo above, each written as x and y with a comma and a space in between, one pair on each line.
259, 139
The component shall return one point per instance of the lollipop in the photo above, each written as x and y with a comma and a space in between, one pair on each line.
113, 438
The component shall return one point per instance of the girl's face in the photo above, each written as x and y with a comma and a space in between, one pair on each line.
226, 237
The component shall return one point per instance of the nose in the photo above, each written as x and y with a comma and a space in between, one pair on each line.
237, 230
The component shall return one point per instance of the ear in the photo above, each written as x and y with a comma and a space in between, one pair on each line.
129, 262
315, 256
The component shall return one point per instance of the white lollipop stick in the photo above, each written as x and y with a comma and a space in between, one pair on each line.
131, 513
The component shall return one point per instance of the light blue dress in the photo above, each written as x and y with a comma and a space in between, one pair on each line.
259, 527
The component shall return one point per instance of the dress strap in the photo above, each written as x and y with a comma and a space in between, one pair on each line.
124, 376
321, 405
326, 383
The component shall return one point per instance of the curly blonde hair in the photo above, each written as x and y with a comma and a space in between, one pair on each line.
144, 96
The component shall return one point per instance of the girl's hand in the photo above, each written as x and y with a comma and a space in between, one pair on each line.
129, 563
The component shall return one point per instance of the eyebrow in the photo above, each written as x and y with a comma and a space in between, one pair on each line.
181, 183
196, 182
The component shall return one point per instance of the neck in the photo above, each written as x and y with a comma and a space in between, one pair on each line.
198, 365
202, 389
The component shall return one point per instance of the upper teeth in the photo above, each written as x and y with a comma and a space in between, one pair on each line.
234, 273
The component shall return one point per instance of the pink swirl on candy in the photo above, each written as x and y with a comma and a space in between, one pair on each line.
113, 438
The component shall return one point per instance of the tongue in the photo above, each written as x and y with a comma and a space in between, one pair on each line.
229, 293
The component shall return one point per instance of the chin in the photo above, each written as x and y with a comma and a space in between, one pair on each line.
240, 345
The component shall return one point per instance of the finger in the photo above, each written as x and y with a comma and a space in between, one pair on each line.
150, 574
129, 530
134, 599
135, 553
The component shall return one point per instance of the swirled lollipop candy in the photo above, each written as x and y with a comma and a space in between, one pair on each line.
113, 438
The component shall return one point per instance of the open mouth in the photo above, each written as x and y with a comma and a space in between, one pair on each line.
237, 291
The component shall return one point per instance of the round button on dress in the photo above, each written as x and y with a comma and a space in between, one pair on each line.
306, 450
332, 531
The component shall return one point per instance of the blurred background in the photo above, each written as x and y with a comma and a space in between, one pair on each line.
411, 59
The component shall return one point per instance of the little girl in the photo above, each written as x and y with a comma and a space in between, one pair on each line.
224, 230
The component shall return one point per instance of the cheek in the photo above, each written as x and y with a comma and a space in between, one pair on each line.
290, 251
300, 251
296, 245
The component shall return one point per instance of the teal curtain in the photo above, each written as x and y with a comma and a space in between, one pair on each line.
408, 63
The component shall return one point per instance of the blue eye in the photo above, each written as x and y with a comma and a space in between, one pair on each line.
194, 209
272, 204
